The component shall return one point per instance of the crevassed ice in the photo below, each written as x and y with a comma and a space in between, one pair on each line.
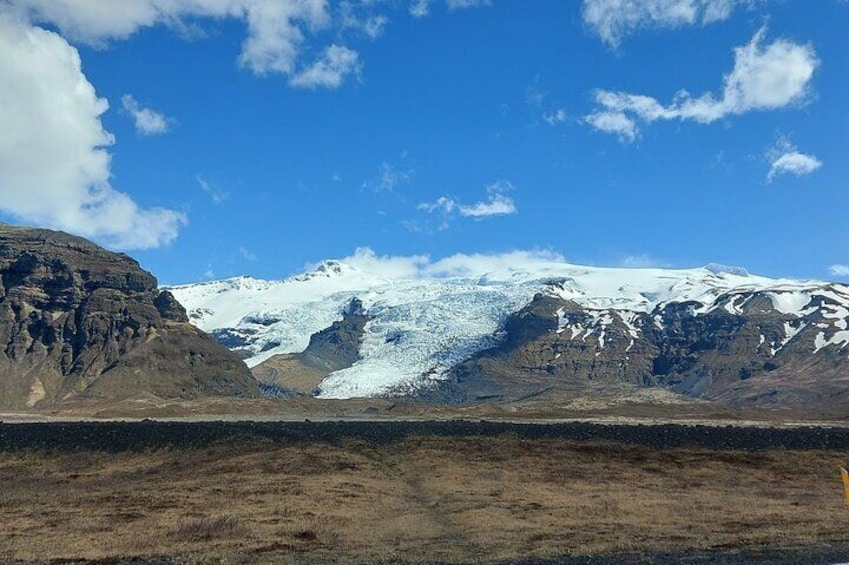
424, 323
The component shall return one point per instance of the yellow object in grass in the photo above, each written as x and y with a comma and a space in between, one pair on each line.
845, 474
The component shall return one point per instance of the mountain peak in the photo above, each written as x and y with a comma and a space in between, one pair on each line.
327, 269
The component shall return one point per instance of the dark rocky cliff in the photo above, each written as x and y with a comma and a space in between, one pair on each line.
741, 352
332, 349
79, 322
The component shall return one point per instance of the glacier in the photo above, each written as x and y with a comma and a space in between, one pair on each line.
428, 316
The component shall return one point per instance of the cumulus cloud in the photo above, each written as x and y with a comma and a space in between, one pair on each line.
839, 270
330, 71
612, 20
461, 264
275, 28
497, 203
148, 122
274, 31
785, 158
54, 159
765, 77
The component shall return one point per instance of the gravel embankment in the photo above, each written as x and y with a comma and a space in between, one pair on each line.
140, 436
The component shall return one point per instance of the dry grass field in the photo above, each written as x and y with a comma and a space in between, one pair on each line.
420, 500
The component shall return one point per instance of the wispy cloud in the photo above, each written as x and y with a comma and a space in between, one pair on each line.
460, 4
765, 77
330, 71
497, 203
785, 158
147, 121
612, 20
460, 264
534, 94
839, 270
555, 117
642, 261
369, 24
247, 254
421, 8
388, 178
215, 194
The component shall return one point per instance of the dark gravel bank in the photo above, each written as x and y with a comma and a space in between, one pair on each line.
140, 436
817, 555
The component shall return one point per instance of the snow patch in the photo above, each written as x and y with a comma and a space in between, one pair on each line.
428, 316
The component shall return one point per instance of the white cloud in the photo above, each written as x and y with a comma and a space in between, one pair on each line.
443, 203
556, 117
461, 4
613, 122
612, 20
54, 163
839, 270
275, 33
496, 204
371, 25
461, 264
330, 71
421, 8
388, 179
765, 77
275, 28
148, 122
785, 158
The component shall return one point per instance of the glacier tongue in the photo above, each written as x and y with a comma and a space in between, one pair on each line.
411, 341
427, 317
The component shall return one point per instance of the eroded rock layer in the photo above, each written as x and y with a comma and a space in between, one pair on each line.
80, 322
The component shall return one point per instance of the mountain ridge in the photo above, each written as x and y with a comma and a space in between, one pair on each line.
431, 320
80, 323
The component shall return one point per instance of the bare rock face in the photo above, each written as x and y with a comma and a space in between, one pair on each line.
742, 352
332, 349
79, 322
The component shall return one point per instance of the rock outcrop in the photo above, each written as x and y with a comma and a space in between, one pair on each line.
332, 349
477, 330
741, 351
80, 322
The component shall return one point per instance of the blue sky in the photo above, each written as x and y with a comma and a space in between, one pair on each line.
213, 138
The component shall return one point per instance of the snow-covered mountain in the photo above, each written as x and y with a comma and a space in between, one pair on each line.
426, 318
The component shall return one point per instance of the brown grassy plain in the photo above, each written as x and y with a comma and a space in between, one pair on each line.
423, 499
